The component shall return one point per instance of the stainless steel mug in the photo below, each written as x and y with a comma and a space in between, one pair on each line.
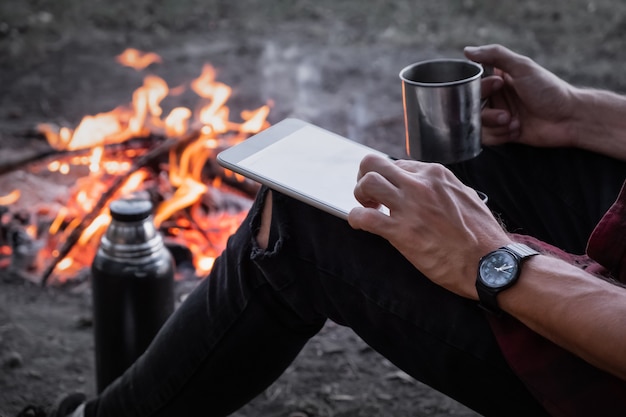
442, 104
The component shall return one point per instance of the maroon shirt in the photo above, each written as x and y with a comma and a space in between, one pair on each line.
565, 384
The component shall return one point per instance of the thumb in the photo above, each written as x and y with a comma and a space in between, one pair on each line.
498, 56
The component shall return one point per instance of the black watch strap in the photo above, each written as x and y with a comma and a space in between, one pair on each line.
487, 300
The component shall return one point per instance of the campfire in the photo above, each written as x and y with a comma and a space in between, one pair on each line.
136, 150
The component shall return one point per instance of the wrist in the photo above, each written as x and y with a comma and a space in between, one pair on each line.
584, 102
578, 117
598, 123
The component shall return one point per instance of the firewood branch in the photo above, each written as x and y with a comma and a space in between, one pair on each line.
50, 153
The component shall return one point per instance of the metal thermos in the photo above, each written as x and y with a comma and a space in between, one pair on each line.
132, 286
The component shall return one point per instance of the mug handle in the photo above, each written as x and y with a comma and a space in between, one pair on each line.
487, 71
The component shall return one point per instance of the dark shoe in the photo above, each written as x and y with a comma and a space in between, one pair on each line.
69, 406
32, 411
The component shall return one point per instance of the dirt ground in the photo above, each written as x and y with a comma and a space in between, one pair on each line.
332, 63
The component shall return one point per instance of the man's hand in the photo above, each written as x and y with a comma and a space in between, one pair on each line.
441, 226
528, 104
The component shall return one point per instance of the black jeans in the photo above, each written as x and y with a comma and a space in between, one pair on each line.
244, 324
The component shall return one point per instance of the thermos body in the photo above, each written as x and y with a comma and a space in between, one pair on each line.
132, 287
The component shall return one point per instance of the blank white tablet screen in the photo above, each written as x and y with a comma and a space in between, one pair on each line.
315, 163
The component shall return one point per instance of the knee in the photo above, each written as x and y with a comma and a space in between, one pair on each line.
263, 236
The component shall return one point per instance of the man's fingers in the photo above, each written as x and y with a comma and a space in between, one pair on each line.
384, 166
373, 189
494, 118
500, 134
491, 85
409, 165
370, 220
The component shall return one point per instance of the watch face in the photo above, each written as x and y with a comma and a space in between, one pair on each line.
498, 269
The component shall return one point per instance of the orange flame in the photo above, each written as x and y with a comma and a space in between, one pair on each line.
213, 114
10, 198
137, 59
186, 195
176, 123
115, 126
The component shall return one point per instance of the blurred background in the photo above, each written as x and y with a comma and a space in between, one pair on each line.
334, 63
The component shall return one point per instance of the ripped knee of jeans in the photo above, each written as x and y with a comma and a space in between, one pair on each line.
267, 224
263, 235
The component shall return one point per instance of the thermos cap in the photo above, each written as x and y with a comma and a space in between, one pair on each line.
131, 210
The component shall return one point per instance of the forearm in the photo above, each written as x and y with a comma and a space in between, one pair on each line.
580, 312
599, 122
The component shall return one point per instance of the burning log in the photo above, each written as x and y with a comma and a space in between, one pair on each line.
237, 200
138, 163
24, 161
51, 153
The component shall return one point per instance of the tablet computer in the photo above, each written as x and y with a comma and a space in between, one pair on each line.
304, 161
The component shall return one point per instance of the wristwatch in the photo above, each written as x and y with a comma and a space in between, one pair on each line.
499, 270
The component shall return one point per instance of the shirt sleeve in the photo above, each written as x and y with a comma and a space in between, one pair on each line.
607, 244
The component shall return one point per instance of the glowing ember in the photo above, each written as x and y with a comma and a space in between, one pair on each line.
180, 181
